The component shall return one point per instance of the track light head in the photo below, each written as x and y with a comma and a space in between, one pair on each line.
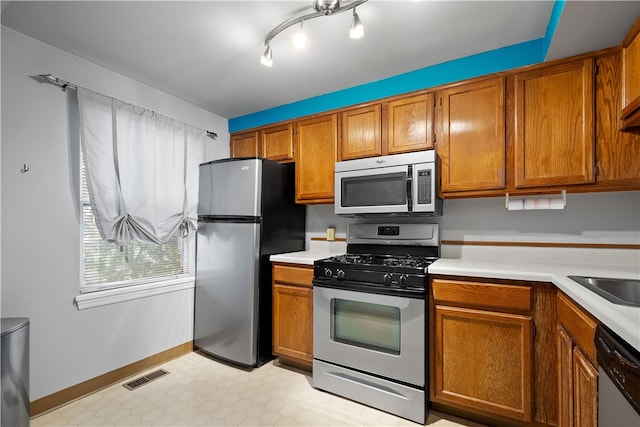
356, 31
300, 38
267, 57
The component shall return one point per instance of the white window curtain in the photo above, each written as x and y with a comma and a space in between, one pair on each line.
142, 170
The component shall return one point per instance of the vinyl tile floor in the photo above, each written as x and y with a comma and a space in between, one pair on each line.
200, 391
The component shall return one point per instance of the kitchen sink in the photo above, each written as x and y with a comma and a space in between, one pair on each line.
618, 291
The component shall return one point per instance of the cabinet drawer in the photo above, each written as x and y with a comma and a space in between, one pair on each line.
579, 324
294, 275
489, 295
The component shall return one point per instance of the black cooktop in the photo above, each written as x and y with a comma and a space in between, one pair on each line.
380, 262
388, 259
374, 272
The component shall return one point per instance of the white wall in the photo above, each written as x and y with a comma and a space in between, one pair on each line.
40, 222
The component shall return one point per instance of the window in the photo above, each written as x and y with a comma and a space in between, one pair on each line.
105, 265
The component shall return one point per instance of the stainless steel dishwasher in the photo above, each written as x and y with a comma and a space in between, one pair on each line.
618, 380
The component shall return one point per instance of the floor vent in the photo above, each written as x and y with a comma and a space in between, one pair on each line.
132, 385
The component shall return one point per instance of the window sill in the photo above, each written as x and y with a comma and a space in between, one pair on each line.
112, 296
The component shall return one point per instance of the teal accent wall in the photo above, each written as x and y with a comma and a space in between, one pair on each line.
502, 59
558, 7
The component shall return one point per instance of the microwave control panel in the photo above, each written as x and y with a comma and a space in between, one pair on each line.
424, 187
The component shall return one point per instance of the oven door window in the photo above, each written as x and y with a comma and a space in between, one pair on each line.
374, 190
367, 325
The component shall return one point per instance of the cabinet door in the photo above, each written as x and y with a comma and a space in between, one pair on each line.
631, 77
277, 142
245, 145
565, 378
360, 133
577, 375
617, 153
483, 361
410, 124
585, 391
315, 154
471, 137
293, 322
554, 127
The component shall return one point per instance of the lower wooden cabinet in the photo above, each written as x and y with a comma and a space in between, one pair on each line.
482, 357
496, 346
577, 370
492, 350
293, 314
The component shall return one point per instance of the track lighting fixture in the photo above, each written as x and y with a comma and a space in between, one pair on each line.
321, 8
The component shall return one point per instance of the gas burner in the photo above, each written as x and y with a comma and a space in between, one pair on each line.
391, 262
356, 259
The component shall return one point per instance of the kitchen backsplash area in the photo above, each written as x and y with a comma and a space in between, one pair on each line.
608, 218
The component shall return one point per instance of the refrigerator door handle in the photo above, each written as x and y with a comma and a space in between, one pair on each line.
232, 218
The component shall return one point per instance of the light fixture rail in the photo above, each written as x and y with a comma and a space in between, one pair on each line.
322, 8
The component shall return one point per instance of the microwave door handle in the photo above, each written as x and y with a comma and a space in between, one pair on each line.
409, 195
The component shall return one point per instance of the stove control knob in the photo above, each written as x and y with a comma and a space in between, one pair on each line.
328, 272
388, 278
402, 280
340, 274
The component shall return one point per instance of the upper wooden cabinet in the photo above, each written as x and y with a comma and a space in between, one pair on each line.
277, 142
316, 141
617, 153
471, 136
360, 133
554, 125
539, 129
273, 142
410, 124
245, 144
400, 125
630, 116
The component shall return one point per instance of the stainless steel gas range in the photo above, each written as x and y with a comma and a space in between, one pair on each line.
370, 317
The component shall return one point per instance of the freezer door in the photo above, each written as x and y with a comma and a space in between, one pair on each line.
230, 188
226, 293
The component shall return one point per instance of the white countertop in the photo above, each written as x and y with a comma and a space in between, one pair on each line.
553, 265
317, 250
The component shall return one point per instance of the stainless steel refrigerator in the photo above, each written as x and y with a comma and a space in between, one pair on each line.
246, 212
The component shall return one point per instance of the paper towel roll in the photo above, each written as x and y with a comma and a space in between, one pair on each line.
534, 203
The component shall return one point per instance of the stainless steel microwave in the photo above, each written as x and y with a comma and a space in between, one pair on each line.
399, 184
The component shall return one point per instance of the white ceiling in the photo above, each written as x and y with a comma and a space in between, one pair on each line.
207, 52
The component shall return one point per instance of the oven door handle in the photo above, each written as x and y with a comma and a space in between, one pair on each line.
368, 384
346, 285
